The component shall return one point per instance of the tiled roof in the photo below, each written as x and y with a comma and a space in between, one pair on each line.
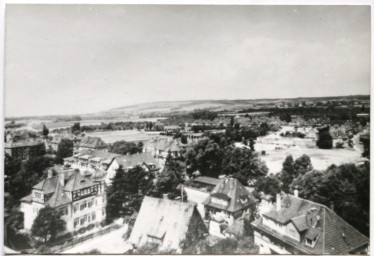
239, 196
92, 142
165, 144
334, 235
164, 218
207, 180
77, 181
136, 159
47, 185
59, 197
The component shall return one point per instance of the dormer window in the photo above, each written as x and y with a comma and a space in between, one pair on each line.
311, 242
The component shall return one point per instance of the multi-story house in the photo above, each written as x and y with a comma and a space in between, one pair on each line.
88, 161
228, 202
91, 143
144, 160
24, 149
161, 147
299, 226
81, 199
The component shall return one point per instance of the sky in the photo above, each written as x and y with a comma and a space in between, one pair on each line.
75, 59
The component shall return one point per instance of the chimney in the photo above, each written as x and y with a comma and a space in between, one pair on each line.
50, 173
61, 178
332, 206
278, 202
296, 193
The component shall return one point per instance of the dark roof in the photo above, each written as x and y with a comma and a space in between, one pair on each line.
47, 185
77, 181
207, 180
233, 189
92, 142
59, 197
136, 159
321, 223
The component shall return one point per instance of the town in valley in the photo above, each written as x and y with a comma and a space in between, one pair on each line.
200, 181
186, 129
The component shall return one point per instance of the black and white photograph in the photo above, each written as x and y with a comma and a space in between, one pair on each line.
186, 128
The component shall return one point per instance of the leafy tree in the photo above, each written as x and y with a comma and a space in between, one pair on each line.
45, 131
184, 139
325, 140
64, 149
76, 128
270, 185
206, 157
308, 185
48, 224
127, 190
243, 164
285, 117
302, 165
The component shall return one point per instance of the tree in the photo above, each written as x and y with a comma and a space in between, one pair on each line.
325, 140
308, 185
243, 164
127, 190
76, 128
270, 185
48, 224
285, 117
64, 149
122, 147
45, 131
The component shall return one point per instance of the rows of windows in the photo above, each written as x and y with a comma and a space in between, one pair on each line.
83, 205
81, 221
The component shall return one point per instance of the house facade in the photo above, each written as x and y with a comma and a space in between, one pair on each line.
24, 149
228, 202
81, 199
91, 143
299, 226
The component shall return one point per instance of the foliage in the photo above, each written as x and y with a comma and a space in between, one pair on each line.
76, 128
64, 149
45, 131
21, 176
325, 140
243, 164
47, 224
127, 190
366, 143
122, 147
285, 117
270, 185
292, 169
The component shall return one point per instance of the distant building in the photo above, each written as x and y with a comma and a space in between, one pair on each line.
145, 160
88, 161
23, 150
92, 143
299, 226
161, 147
81, 199
228, 202
168, 224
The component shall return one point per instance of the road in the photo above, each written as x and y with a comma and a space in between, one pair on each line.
111, 243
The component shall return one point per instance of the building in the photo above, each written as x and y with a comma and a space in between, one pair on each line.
24, 149
168, 224
88, 161
81, 199
228, 202
203, 183
145, 160
161, 147
91, 143
299, 226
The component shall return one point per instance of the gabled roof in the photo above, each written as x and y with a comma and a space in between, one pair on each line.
59, 197
334, 235
207, 180
166, 220
233, 189
47, 185
77, 181
136, 159
92, 142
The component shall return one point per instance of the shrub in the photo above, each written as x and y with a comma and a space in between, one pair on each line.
91, 226
82, 230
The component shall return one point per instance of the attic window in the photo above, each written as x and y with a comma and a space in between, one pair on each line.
311, 242
83, 181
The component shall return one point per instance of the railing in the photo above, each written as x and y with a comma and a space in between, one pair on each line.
71, 242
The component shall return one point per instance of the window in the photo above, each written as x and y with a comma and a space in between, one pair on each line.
83, 220
83, 206
76, 222
103, 211
76, 208
64, 211
90, 203
309, 242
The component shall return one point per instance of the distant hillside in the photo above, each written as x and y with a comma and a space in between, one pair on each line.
167, 107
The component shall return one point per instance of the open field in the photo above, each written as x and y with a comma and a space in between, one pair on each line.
321, 158
127, 135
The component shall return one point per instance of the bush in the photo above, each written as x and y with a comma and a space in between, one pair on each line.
91, 226
103, 223
82, 231
75, 233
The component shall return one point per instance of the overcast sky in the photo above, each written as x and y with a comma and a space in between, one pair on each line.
72, 59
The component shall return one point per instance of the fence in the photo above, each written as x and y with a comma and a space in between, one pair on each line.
69, 243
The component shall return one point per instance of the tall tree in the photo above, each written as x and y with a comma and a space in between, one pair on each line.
270, 185
325, 140
64, 149
45, 131
48, 224
287, 174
